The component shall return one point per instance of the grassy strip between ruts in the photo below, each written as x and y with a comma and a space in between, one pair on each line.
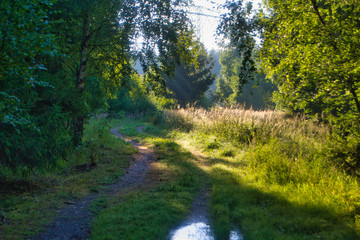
275, 184
164, 200
100, 161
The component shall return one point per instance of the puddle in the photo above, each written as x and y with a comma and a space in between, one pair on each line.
235, 235
199, 231
195, 231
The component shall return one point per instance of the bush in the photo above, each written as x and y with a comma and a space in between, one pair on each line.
125, 103
27, 148
132, 99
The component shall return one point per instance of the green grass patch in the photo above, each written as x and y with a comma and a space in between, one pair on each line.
280, 186
100, 160
151, 213
147, 215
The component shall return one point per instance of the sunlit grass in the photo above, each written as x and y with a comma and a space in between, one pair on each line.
269, 177
161, 203
270, 174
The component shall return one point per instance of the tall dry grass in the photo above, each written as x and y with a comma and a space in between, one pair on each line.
247, 126
288, 154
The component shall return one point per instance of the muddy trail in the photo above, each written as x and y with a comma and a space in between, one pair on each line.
196, 223
74, 221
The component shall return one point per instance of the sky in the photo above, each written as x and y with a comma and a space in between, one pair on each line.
205, 26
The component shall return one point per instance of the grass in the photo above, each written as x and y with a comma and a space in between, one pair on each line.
27, 211
270, 175
146, 213
163, 201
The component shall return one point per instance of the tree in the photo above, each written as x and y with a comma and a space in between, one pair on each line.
312, 52
191, 81
240, 28
256, 94
96, 45
100, 33
25, 41
132, 99
61, 60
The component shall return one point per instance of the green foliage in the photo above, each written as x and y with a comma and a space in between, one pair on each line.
28, 204
191, 81
163, 102
281, 185
131, 99
167, 42
60, 62
344, 148
313, 66
33, 129
311, 51
239, 27
256, 94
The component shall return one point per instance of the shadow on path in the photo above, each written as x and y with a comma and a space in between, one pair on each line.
73, 221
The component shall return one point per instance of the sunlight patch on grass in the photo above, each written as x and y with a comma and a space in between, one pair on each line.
270, 177
152, 212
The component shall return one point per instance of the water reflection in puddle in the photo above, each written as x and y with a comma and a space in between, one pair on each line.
235, 235
199, 231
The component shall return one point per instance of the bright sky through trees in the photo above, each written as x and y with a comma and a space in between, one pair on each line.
205, 15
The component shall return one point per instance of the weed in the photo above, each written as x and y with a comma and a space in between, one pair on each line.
221, 221
213, 145
100, 203
281, 184
227, 153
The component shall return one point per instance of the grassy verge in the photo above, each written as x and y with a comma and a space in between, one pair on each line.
164, 199
100, 161
270, 175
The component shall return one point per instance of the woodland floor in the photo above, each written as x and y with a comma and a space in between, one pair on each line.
74, 221
174, 179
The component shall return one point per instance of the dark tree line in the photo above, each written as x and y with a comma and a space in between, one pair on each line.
61, 60
310, 50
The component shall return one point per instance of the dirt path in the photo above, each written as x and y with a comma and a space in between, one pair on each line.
73, 221
199, 209
196, 224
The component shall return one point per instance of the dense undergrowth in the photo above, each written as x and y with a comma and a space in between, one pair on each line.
30, 202
271, 174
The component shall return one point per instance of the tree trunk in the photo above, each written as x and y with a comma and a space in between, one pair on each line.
355, 97
80, 79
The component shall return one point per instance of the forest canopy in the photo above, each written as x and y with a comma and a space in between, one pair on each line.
62, 61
